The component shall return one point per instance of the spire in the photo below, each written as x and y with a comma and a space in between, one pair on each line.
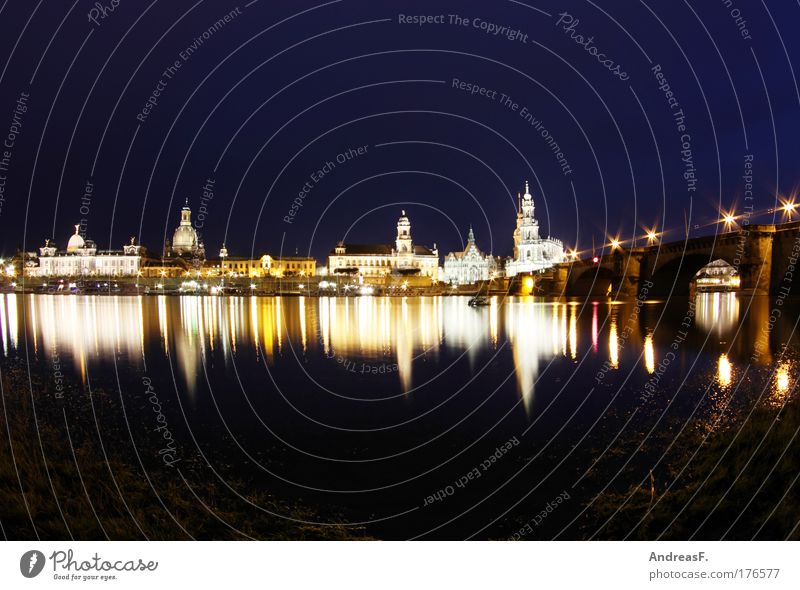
527, 190
470, 235
77, 228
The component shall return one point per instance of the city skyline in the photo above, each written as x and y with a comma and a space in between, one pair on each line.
449, 136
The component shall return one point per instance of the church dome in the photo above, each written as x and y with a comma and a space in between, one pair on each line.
184, 240
75, 241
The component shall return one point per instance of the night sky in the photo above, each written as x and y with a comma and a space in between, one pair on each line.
259, 104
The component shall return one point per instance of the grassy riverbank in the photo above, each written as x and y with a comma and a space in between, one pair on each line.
58, 483
742, 484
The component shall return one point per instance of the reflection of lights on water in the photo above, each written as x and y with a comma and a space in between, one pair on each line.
493, 319
649, 354
573, 333
613, 344
594, 326
724, 370
782, 379
717, 311
782, 387
527, 323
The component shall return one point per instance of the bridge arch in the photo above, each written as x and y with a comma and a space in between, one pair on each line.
591, 279
676, 273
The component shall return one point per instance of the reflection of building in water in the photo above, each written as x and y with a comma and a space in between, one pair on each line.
717, 276
382, 332
718, 312
377, 260
536, 334
86, 327
531, 252
469, 266
8, 322
466, 328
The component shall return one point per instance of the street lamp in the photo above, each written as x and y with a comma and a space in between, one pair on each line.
788, 209
729, 219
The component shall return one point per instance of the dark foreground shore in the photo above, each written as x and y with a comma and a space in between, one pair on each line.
59, 481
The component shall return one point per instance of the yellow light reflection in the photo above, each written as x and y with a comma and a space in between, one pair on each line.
782, 379
573, 332
649, 354
724, 370
613, 344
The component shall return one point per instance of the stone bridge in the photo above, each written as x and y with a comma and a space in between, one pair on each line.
764, 256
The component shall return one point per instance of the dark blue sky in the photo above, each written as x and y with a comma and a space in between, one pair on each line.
268, 98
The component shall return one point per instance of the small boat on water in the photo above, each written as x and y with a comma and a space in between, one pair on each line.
479, 301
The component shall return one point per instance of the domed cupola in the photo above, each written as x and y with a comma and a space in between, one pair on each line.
75, 241
184, 240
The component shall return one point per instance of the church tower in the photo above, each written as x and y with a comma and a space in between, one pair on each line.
531, 252
527, 231
403, 241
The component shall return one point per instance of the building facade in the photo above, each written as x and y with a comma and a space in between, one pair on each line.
266, 265
287, 266
470, 266
532, 253
82, 259
379, 260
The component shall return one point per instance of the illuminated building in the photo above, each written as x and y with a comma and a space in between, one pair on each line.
469, 266
287, 266
185, 240
717, 276
531, 252
82, 259
266, 265
378, 260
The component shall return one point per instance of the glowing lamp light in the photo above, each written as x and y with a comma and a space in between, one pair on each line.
596, 259
614, 244
573, 254
782, 379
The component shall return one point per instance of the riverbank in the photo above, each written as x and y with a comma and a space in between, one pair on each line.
59, 480
737, 483
243, 286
